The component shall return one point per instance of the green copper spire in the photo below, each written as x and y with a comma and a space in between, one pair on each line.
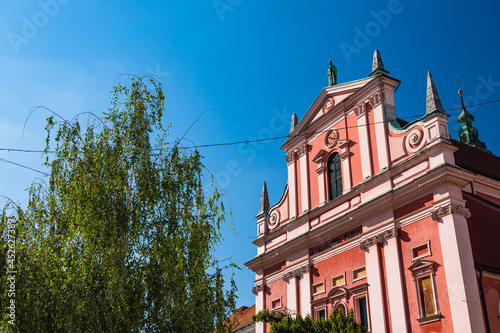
468, 134
332, 74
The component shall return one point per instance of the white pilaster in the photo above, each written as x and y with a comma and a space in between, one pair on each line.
394, 285
465, 304
346, 165
380, 132
364, 142
291, 295
305, 294
259, 306
292, 192
377, 315
304, 177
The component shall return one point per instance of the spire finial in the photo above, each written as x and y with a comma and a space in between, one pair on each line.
332, 74
264, 200
433, 100
468, 134
294, 123
378, 65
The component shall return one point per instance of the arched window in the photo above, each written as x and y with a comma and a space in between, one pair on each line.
335, 176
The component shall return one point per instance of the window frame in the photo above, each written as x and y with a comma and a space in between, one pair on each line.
276, 308
428, 254
421, 269
336, 276
321, 292
359, 292
356, 269
339, 191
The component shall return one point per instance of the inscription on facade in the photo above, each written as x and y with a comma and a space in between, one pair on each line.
337, 240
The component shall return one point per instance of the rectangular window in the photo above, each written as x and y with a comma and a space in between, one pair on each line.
363, 312
358, 273
276, 303
426, 296
420, 251
319, 288
321, 314
338, 280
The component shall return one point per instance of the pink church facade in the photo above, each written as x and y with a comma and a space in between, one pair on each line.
393, 220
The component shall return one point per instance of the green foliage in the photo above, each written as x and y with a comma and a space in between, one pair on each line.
338, 322
121, 237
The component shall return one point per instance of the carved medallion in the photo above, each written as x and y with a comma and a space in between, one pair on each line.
329, 104
331, 138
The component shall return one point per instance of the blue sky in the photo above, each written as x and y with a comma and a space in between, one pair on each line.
251, 63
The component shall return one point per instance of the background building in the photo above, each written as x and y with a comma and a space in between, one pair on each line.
394, 220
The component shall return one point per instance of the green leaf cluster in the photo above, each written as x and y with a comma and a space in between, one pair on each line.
121, 237
337, 322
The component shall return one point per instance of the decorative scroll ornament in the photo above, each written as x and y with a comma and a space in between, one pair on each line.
329, 104
274, 220
414, 141
378, 239
258, 288
450, 209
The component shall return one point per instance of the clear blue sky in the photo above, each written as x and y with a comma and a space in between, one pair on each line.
253, 62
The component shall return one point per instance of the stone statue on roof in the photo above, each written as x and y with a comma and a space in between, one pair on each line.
332, 74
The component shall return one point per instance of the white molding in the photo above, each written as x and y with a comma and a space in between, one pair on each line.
317, 283
336, 276
357, 269
428, 254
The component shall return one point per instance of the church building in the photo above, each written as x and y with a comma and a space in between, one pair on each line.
392, 219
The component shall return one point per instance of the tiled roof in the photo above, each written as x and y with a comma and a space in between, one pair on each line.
477, 160
243, 317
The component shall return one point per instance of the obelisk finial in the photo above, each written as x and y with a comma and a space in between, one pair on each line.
264, 200
378, 65
433, 100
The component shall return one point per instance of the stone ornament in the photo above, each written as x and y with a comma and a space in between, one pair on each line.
375, 100
274, 220
450, 209
296, 272
303, 149
360, 109
378, 239
328, 105
290, 157
258, 288
414, 141
331, 138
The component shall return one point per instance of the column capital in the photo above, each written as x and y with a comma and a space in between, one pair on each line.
298, 272
360, 109
258, 288
290, 157
450, 209
378, 238
303, 149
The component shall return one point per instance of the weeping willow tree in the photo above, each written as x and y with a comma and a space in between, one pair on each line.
120, 238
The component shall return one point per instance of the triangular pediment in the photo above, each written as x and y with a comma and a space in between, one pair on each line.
330, 100
419, 264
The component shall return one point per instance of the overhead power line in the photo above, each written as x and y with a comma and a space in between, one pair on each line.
231, 143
